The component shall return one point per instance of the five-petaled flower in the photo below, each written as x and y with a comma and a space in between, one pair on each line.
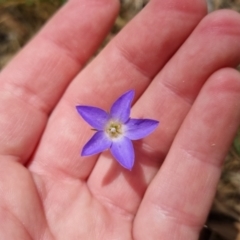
116, 129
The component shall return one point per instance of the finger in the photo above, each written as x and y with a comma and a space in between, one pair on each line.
33, 82
179, 198
168, 99
129, 61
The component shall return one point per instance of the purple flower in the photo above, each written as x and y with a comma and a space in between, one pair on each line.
116, 129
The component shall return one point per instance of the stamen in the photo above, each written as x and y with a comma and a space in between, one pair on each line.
114, 129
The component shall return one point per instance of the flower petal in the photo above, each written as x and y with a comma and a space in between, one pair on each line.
139, 128
122, 150
120, 109
98, 143
94, 116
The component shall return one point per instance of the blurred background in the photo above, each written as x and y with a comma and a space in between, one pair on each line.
21, 19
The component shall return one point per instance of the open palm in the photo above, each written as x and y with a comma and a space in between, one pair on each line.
178, 62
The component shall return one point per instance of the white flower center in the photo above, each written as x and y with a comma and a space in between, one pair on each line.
113, 129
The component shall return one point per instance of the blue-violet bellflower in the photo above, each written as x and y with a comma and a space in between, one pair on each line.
116, 129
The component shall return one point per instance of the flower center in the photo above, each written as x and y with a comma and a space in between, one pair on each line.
114, 129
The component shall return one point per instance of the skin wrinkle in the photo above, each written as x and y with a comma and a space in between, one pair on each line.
47, 235
12, 145
172, 214
127, 57
61, 172
22, 223
221, 22
10, 157
111, 206
198, 156
45, 171
27, 96
65, 50
42, 196
16, 219
187, 7
177, 93
97, 3
46, 192
79, 59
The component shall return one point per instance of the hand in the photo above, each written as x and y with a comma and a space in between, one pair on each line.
179, 63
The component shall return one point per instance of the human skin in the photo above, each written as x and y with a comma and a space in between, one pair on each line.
180, 63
